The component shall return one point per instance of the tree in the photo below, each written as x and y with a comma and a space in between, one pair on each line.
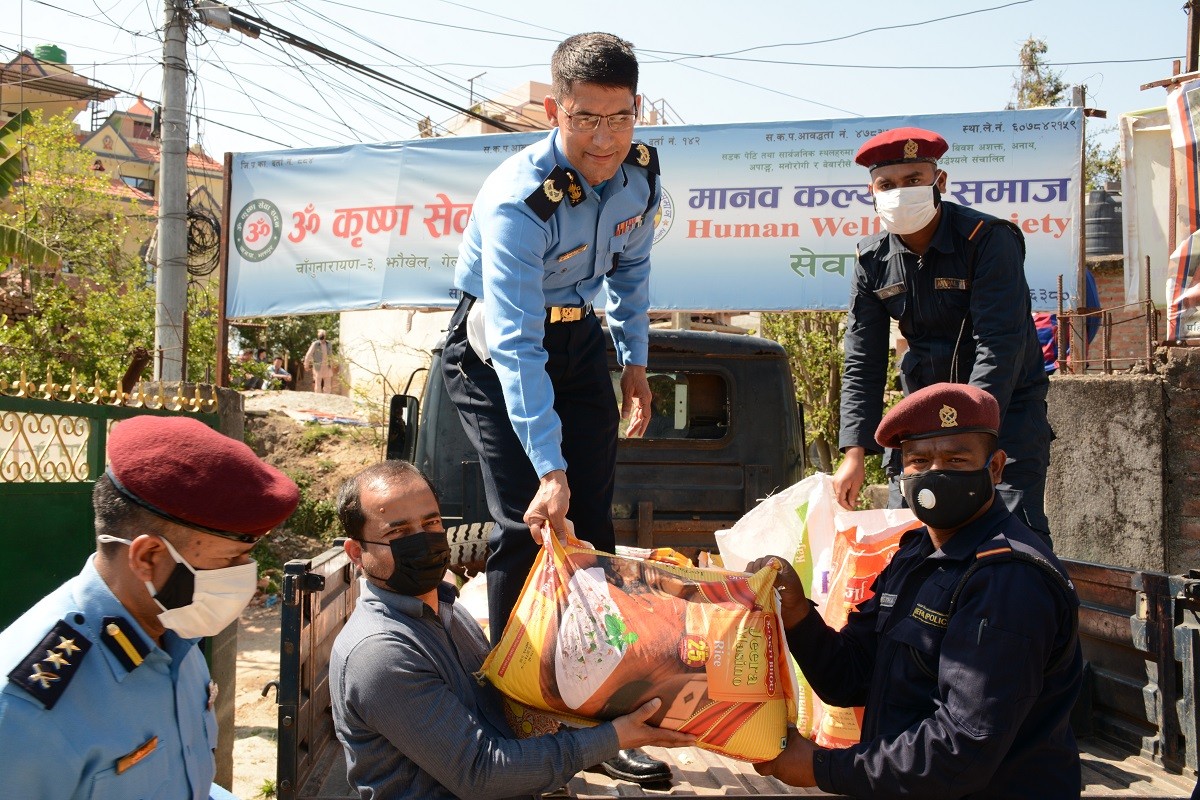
92, 313
15, 243
813, 342
1100, 165
286, 335
1036, 85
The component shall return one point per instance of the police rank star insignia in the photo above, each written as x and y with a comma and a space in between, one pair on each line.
949, 417
48, 669
553, 193
643, 155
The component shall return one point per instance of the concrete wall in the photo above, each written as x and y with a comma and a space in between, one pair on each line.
1124, 483
1105, 490
383, 348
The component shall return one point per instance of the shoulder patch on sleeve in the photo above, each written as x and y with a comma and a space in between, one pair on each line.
50, 666
545, 199
644, 156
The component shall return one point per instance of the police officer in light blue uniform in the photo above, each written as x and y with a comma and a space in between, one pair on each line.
107, 693
567, 222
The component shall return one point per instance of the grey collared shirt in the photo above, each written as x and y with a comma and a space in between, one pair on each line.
415, 722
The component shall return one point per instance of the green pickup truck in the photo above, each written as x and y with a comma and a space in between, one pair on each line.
731, 435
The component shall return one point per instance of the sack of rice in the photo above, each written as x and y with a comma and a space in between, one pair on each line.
594, 635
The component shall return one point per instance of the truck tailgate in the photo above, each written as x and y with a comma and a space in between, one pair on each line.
1107, 772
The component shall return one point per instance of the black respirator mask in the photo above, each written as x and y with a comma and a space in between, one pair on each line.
945, 499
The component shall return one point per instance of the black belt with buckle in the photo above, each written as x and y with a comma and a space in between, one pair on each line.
567, 313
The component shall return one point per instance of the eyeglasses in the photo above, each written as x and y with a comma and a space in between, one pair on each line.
586, 123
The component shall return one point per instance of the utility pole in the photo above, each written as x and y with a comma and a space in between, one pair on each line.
171, 285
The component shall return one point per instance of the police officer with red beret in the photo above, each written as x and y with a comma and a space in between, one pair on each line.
107, 693
966, 655
954, 279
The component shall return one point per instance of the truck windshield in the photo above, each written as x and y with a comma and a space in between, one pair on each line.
685, 405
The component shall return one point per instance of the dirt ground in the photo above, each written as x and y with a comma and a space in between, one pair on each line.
323, 456
255, 715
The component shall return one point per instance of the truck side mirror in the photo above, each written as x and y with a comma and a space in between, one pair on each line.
402, 427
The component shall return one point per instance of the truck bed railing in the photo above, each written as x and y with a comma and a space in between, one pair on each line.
1139, 632
318, 596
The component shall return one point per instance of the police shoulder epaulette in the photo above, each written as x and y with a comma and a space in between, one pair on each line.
121, 637
644, 156
48, 669
871, 243
974, 226
546, 198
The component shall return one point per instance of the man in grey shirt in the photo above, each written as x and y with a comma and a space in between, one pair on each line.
414, 721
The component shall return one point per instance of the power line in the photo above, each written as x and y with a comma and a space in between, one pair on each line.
323, 52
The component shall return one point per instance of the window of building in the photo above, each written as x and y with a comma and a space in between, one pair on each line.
141, 130
684, 405
141, 184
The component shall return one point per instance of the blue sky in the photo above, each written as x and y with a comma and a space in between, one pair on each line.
856, 58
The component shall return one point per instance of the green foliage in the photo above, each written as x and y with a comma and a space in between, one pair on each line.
1100, 165
315, 435
93, 313
290, 335
1036, 85
203, 323
249, 375
267, 790
813, 341
316, 519
15, 241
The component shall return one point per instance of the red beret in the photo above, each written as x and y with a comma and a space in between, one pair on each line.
900, 145
186, 472
939, 410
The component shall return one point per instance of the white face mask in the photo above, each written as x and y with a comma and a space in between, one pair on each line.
200, 602
907, 209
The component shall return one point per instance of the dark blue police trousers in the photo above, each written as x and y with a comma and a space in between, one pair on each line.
586, 404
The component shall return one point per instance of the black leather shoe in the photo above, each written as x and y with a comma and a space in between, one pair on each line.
636, 766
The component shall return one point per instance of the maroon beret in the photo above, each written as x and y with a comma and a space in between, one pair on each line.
900, 145
939, 410
186, 472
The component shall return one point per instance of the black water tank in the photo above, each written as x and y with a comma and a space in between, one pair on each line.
1103, 227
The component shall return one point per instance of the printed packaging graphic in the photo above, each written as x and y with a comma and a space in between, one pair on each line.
595, 635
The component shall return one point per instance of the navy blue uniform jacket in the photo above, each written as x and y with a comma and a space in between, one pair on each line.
938, 303
974, 703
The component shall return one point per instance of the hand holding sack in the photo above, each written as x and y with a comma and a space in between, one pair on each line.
595, 635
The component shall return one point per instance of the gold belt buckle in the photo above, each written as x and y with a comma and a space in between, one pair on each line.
566, 313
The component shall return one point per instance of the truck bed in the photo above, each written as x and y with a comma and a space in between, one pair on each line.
1135, 720
1107, 772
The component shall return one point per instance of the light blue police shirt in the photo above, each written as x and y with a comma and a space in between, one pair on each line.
113, 732
519, 264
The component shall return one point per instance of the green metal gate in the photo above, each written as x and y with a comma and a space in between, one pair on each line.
52, 449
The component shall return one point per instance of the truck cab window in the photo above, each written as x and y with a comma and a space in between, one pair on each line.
684, 405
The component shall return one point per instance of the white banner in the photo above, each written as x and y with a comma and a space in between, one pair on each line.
755, 216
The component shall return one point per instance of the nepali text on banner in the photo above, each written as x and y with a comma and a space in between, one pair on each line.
754, 216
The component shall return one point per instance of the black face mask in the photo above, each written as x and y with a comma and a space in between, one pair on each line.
179, 588
945, 499
420, 560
